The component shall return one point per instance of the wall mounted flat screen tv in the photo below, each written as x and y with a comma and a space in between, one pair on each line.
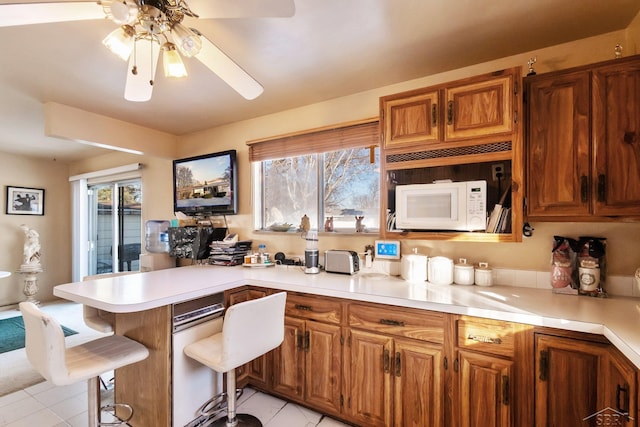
206, 185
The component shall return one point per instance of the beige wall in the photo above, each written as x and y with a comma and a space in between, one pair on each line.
53, 226
532, 254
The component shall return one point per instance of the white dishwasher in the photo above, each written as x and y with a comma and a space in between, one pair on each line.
193, 383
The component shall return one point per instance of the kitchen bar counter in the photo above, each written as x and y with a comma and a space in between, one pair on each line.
617, 318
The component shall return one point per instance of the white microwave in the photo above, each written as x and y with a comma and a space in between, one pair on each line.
458, 206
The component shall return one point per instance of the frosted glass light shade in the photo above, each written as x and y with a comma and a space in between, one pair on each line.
120, 41
171, 61
121, 12
188, 42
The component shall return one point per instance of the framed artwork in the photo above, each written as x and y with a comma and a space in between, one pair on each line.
25, 201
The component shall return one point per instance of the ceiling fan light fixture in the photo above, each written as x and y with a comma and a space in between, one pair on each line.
120, 41
172, 62
122, 12
187, 41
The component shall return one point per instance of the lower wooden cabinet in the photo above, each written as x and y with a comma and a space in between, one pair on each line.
393, 374
307, 367
580, 382
378, 365
485, 390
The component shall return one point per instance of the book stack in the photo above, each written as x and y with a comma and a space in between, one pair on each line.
500, 218
229, 255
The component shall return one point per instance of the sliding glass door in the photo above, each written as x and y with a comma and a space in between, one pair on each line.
115, 227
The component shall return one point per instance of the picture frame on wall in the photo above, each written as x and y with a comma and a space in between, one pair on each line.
25, 201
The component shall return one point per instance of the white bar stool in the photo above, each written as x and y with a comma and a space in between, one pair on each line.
249, 330
47, 352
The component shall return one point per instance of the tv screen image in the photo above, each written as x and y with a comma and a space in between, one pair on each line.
206, 185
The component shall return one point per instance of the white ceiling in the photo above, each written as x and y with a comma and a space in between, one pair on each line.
328, 49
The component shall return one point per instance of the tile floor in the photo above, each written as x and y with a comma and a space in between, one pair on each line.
45, 405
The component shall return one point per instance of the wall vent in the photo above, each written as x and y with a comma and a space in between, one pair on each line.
450, 152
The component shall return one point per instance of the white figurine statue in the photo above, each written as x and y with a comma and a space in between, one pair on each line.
31, 246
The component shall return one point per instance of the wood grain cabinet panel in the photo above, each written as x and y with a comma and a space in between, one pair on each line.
485, 390
411, 119
583, 142
479, 108
558, 144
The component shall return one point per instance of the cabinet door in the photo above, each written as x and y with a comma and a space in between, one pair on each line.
369, 360
323, 362
410, 120
485, 390
621, 393
288, 360
616, 138
557, 147
418, 384
568, 381
479, 108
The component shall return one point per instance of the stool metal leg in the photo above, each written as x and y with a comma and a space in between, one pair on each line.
233, 419
93, 388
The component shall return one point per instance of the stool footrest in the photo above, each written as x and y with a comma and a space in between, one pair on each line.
112, 409
217, 403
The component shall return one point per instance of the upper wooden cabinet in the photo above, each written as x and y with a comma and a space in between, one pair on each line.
414, 119
481, 107
471, 109
457, 130
583, 142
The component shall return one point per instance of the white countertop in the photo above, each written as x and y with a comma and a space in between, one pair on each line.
617, 318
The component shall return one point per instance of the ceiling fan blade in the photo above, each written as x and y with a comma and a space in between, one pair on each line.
218, 62
145, 58
207, 9
42, 13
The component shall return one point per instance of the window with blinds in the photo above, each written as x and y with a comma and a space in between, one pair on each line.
331, 175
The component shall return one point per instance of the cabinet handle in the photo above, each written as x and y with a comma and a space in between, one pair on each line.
456, 365
630, 137
391, 322
484, 339
544, 364
584, 189
398, 364
303, 307
505, 390
434, 115
299, 339
623, 406
446, 363
602, 188
385, 360
450, 113
307, 341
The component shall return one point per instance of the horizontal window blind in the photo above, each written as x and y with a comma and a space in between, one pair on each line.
362, 134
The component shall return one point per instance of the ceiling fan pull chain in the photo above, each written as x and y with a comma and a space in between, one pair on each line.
152, 68
134, 69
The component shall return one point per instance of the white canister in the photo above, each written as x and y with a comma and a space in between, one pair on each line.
463, 273
413, 267
484, 275
440, 270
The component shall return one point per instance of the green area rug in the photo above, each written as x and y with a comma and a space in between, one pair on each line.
12, 333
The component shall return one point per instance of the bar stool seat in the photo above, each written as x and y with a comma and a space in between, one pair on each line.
249, 330
61, 365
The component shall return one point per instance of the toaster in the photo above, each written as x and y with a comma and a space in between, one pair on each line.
341, 261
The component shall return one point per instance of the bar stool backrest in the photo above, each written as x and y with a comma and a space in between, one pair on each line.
252, 328
44, 343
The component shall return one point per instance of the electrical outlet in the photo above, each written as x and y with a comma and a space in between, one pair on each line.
497, 168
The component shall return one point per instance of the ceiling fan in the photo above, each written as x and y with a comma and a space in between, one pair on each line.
147, 27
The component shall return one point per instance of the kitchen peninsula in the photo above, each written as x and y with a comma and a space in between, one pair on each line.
143, 299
